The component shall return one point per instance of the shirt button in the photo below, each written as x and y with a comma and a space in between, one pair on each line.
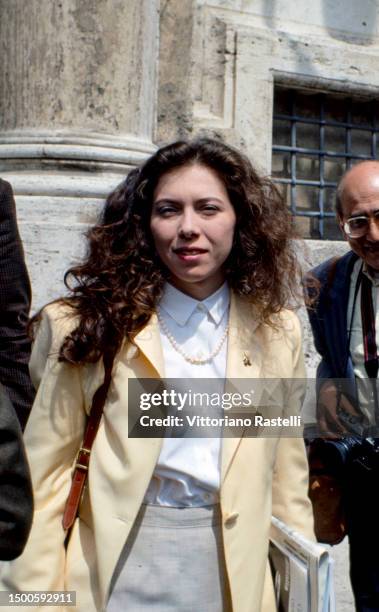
230, 519
201, 307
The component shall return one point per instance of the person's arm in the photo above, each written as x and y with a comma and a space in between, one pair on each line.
52, 438
14, 310
16, 499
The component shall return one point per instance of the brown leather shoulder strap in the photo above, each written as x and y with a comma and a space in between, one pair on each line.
80, 473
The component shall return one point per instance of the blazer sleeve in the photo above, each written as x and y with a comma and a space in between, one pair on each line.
52, 438
16, 500
290, 501
15, 297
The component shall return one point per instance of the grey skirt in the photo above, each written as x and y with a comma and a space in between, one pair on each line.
173, 561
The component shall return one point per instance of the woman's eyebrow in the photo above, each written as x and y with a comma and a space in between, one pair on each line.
170, 200
208, 198
167, 200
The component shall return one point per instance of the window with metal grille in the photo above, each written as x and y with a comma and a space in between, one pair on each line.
316, 137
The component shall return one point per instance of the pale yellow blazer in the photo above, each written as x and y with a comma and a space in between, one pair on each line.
259, 476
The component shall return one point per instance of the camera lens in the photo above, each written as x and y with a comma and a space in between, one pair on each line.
338, 453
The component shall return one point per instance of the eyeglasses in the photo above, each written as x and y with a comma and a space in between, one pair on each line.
356, 227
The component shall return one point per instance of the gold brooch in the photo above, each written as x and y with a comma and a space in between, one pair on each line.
246, 360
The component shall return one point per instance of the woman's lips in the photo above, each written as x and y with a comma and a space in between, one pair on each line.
189, 254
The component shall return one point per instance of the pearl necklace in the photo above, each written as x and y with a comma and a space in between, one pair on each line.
178, 348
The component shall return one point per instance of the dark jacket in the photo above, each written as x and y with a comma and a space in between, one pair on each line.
328, 318
14, 310
16, 501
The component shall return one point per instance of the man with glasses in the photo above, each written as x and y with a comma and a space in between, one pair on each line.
345, 325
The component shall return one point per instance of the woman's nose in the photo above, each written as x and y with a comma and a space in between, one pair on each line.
188, 225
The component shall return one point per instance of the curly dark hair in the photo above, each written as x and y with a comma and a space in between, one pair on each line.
114, 291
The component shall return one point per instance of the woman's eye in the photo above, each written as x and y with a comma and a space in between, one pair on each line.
210, 209
165, 210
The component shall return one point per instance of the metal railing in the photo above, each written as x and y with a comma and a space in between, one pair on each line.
350, 154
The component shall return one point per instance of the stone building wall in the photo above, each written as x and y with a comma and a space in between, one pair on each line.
219, 60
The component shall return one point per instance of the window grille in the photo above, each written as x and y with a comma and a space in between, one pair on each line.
316, 137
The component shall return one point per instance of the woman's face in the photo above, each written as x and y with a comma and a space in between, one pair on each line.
192, 223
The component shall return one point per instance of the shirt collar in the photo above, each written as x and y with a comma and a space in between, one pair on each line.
181, 306
374, 277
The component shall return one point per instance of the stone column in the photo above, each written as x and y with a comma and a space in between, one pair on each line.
77, 110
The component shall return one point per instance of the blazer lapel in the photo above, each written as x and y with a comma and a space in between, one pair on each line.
148, 340
244, 361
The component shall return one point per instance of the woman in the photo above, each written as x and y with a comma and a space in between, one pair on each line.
187, 276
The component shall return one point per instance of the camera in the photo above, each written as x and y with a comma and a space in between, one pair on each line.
350, 452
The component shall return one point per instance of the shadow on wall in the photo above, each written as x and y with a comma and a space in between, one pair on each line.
350, 21
353, 21
275, 12
360, 17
